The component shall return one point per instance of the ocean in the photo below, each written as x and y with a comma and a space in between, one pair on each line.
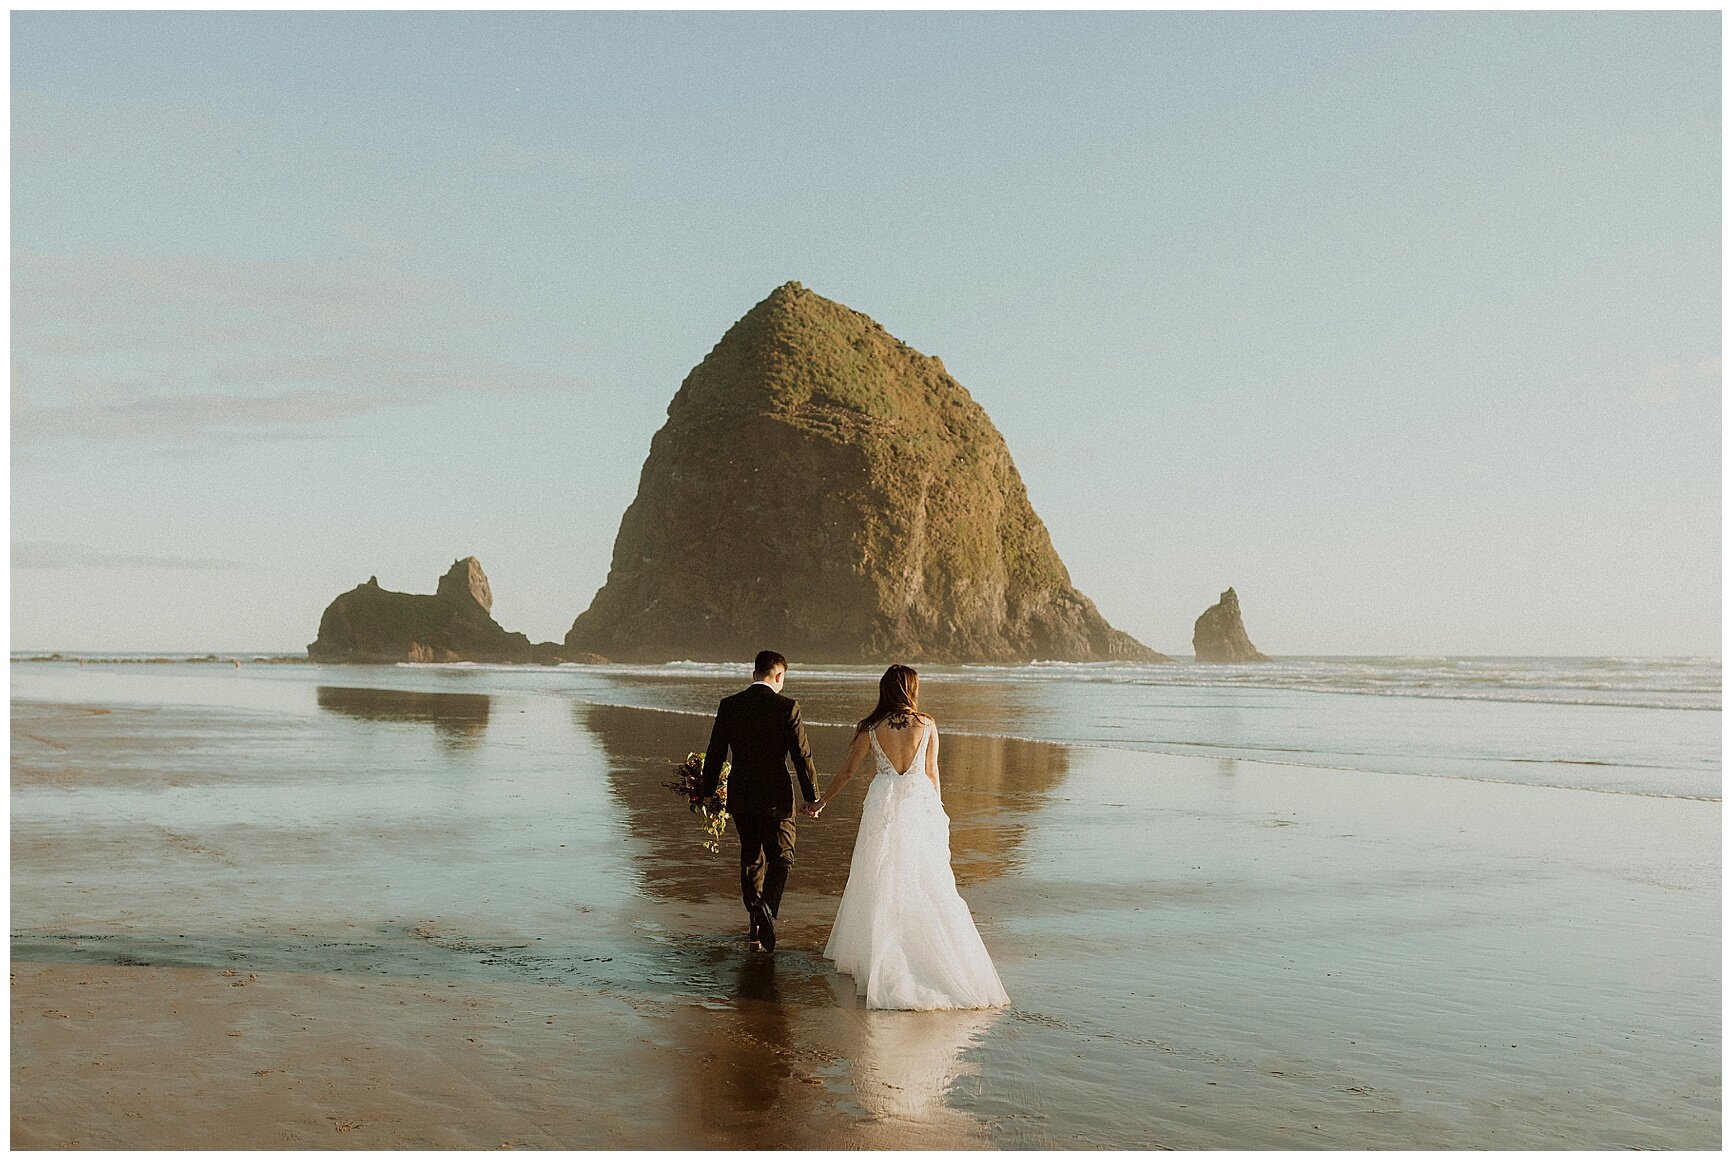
1622, 725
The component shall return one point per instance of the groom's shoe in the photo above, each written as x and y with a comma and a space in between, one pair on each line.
766, 925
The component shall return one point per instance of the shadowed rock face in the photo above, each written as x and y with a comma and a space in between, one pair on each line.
1219, 634
824, 489
369, 623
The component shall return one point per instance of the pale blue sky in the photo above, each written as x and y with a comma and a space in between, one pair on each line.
1406, 325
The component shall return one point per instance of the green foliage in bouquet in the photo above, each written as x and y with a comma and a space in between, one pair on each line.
688, 784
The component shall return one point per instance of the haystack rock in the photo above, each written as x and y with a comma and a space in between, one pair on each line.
370, 623
823, 489
1219, 634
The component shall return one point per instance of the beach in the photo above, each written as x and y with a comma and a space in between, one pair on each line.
377, 908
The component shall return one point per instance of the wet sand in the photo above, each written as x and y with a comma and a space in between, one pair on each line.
379, 919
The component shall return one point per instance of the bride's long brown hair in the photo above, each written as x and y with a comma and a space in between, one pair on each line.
898, 693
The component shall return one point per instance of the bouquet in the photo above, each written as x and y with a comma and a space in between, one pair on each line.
688, 784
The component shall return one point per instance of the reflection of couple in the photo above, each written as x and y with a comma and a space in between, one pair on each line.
901, 931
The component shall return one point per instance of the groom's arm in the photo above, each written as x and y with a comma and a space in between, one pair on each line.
802, 755
714, 755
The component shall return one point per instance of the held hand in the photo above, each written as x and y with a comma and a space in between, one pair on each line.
812, 809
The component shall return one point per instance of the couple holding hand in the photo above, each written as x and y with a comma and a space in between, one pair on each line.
901, 930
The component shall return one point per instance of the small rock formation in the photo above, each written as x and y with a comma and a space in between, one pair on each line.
823, 489
1219, 634
373, 624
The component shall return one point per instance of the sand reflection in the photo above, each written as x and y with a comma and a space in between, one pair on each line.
907, 1062
789, 1058
458, 719
759, 1071
991, 788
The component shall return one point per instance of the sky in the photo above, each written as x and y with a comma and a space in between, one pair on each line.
1405, 325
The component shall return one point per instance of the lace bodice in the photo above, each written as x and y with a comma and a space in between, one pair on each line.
917, 764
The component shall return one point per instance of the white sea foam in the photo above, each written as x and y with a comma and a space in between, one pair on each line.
1685, 683
1647, 683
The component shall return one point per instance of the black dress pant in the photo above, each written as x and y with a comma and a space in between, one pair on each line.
766, 853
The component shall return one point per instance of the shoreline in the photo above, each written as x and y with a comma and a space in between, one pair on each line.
1200, 952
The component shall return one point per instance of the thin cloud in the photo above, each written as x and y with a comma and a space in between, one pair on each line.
556, 161
55, 554
1668, 384
167, 348
286, 414
1694, 370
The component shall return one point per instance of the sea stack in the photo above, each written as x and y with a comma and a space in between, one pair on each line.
1219, 634
823, 489
373, 624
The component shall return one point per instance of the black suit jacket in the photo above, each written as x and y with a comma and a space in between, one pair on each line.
761, 729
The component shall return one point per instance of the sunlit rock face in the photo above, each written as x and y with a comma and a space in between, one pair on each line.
823, 489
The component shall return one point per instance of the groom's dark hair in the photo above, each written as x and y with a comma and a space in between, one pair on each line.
768, 662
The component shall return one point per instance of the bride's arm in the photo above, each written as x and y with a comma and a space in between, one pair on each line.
856, 753
932, 759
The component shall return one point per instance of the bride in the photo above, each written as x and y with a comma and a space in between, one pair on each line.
902, 931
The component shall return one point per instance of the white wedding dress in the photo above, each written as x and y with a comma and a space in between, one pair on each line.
902, 931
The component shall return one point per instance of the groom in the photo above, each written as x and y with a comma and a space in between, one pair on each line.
762, 729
